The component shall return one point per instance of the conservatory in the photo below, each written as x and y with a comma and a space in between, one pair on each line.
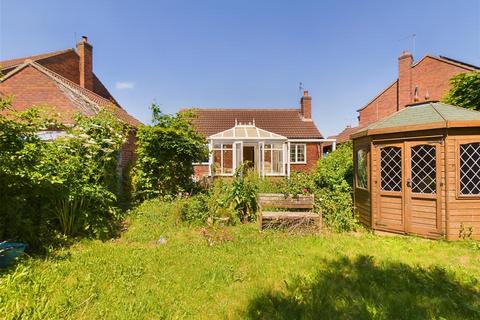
264, 151
268, 153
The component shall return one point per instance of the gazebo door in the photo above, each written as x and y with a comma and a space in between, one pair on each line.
390, 187
422, 192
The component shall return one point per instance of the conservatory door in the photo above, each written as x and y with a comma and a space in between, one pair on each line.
390, 187
422, 192
238, 158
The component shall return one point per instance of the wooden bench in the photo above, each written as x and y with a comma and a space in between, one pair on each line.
300, 213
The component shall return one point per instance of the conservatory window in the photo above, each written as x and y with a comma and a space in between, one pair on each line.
470, 169
222, 159
298, 153
362, 170
273, 159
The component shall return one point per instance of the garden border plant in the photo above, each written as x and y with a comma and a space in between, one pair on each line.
65, 187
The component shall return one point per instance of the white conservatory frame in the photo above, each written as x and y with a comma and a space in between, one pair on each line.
249, 135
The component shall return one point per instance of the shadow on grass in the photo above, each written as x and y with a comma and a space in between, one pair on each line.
362, 289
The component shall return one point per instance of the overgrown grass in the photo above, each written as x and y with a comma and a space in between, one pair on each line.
245, 274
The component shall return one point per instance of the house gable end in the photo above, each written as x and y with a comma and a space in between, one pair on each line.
30, 87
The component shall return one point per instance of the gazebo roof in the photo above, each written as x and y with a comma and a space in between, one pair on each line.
431, 115
246, 132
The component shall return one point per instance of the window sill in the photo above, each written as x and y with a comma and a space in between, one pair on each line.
362, 189
475, 197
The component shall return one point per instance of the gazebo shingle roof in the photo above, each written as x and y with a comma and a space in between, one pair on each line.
425, 115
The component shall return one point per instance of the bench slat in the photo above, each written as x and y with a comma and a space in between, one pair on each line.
280, 201
289, 215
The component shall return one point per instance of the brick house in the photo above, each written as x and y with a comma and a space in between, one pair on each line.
65, 81
425, 80
274, 142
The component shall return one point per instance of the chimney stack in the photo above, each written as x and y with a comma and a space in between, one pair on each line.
306, 106
84, 51
405, 62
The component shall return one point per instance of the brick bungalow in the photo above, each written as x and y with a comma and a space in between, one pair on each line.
65, 81
272, 141
425, 80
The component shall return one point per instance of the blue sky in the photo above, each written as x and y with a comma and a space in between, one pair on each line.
245, 53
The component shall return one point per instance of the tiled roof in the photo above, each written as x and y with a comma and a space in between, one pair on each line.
285, 122
7, 64
344, 136
84, 100
424, 114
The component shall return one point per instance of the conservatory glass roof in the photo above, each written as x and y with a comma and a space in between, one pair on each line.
246, 132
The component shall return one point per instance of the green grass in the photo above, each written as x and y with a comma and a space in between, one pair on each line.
245, 274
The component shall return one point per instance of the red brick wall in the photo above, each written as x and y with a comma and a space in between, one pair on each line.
201, 170
313, 154
384, 105
430, 75
433, 76
65, 65
31, 87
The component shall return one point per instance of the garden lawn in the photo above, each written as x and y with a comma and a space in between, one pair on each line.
245, 274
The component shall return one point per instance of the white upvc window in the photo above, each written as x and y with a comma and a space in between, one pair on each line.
222, 159
298, 153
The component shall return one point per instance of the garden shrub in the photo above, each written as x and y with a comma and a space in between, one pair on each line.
270, 185
66, 186
298, 183
81, 169
195, 208
233, 199
219, 202
244, 193
166, 152
333, 178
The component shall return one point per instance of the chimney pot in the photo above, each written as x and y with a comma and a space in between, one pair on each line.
84, 39
305, 93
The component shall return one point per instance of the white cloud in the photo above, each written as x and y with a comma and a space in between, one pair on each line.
124, 85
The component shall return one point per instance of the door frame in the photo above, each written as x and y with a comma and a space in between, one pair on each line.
377, 222
410, 195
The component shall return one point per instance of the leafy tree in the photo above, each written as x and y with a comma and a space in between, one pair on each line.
166, 152
465, 91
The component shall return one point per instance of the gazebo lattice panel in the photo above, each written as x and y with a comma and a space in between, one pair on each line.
391, 169
424, 169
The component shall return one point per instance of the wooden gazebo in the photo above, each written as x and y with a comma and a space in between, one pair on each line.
418, 172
